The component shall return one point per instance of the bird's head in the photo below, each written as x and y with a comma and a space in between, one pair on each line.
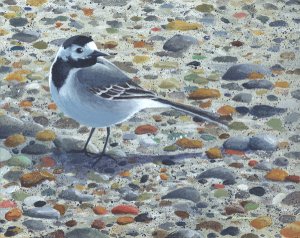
79, 51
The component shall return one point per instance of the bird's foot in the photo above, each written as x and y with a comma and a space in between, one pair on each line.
87, 153
102, 155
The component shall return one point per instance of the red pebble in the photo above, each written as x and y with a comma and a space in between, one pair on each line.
7, 204
47, 161
240, 15
293, 178
218, 185
125, 209
234, 152
155, 29
252, 163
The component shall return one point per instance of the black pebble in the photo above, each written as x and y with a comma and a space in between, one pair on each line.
39, 204
258, 191
144, 178
231, 230
168, 162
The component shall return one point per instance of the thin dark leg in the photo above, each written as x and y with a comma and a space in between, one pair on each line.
88, 140
104, 148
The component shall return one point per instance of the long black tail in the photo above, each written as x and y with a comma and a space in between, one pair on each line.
208, 116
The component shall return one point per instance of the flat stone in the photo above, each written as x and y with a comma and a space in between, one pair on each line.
237, 143
18, 22
74, 195
292, 199
26, 36
278, 23
31, 128
295, 138
35, 225
185, 233
179, 43
262, 111
253, 84
242, 71
19, 160
86, 233
287, 218
187, 193
263, 142
225, 59
231, 230
42, 212
292, 118
9, 126
243, 97
293, 155
119, 3
220, 173
281, 162
232, 86
35, 149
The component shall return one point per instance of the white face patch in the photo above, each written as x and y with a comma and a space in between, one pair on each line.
74, 52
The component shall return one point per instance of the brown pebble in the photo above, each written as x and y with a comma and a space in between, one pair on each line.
224, 136
236, 165
237, 43
145, 129
125, 220
98, 224
56, 234
14, 140
71, 223
34, 178
13, 214
165, 203
186, 143
210, 225
159, 234
61, 208
182, 214
233, 209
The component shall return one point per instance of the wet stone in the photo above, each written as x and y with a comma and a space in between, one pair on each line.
292, 199
35, 149
253, 84
220, 173
231, 230
237, 143
26, 36
242, 71
18, 22
10, 125
75, 195
262, 111
281, 162
187, 193
243, 97
257, 191
66, 123
42, 212
179, 43
278, 23
263, 142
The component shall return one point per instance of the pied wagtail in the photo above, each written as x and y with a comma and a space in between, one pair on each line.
96, 93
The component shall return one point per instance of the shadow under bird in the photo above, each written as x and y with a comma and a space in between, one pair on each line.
96, 93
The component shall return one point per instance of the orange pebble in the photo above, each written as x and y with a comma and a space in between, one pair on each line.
88, 11
252, 163
125, 173
13, 214
99, 210
163, 176
52, 106
139, 44
25, 103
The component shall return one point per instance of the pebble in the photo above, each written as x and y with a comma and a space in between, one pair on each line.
185, 233
20, 160
278, 23
14, 140
26, 36
125, 209
13, 214
231, 230
214, 153
281, 161
66, 123
219, 173
204, 93
261, 222
34, 225
291, 230
42, 212
45, 135
210, 225
18, 22
35, 149
254, 84
86, 233
262, 111
237, 143
257, 191
69, 144
276, 175
242, 97
4, 155
9, 126
182, 25
242, 71
179, 43
187, 193
143, 217
225, 59
287, 218
75, 195
296, 94
186, 143
98, 224
292, 199
263, 142
124, 220
32, 179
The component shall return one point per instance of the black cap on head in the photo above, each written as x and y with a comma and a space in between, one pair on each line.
77, 40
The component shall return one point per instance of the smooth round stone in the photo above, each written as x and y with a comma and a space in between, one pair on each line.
263, 142
75, 195
250, 206
242, 110
35, 149
287, 218
237, 143
254, 84
262, 111
26, 36
221, 193
18, 22
263, 166
220, 173
19, 195
241, 71
225, 59
281, 161
278, 23
179, 43
231, 230
20, 160
257, 191
292, 199
10, 125
242, 195
188, 193
4, 155
42, 212
35, 225
243, 97
41, 45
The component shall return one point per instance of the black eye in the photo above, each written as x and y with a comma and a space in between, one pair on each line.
79, 50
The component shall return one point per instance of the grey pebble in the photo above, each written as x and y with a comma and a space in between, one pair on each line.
237, 143
36, 149
74, 195
188, 193
179, 43
253, 84
287, 218
185, 233
295, 138
264, 165
86, 233
42, 212
26, 36
17, 22
232, 86
243, 97
119, 3
241, 71
129, 136
281, 161
42, 120
278, 23
262, 111
220, 173
35, 225
10, 125
296, 94
293, 155
225, 59
31, 128
66, 123
292, 199
263, 142
292, 117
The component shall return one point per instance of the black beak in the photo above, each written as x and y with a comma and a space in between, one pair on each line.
97, 53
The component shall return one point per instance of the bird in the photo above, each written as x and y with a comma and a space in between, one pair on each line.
96, 93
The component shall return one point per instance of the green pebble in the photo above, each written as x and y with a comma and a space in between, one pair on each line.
19, 195
251, 206
115, 186
170, 148
221, 193
166, 65
205, 8
195, 78
95, 177
41, 45
20, 160
112, 30
239, 126
199, 57
275, 124
135, 18
145, 196
168, 84
207, 137
35, 76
